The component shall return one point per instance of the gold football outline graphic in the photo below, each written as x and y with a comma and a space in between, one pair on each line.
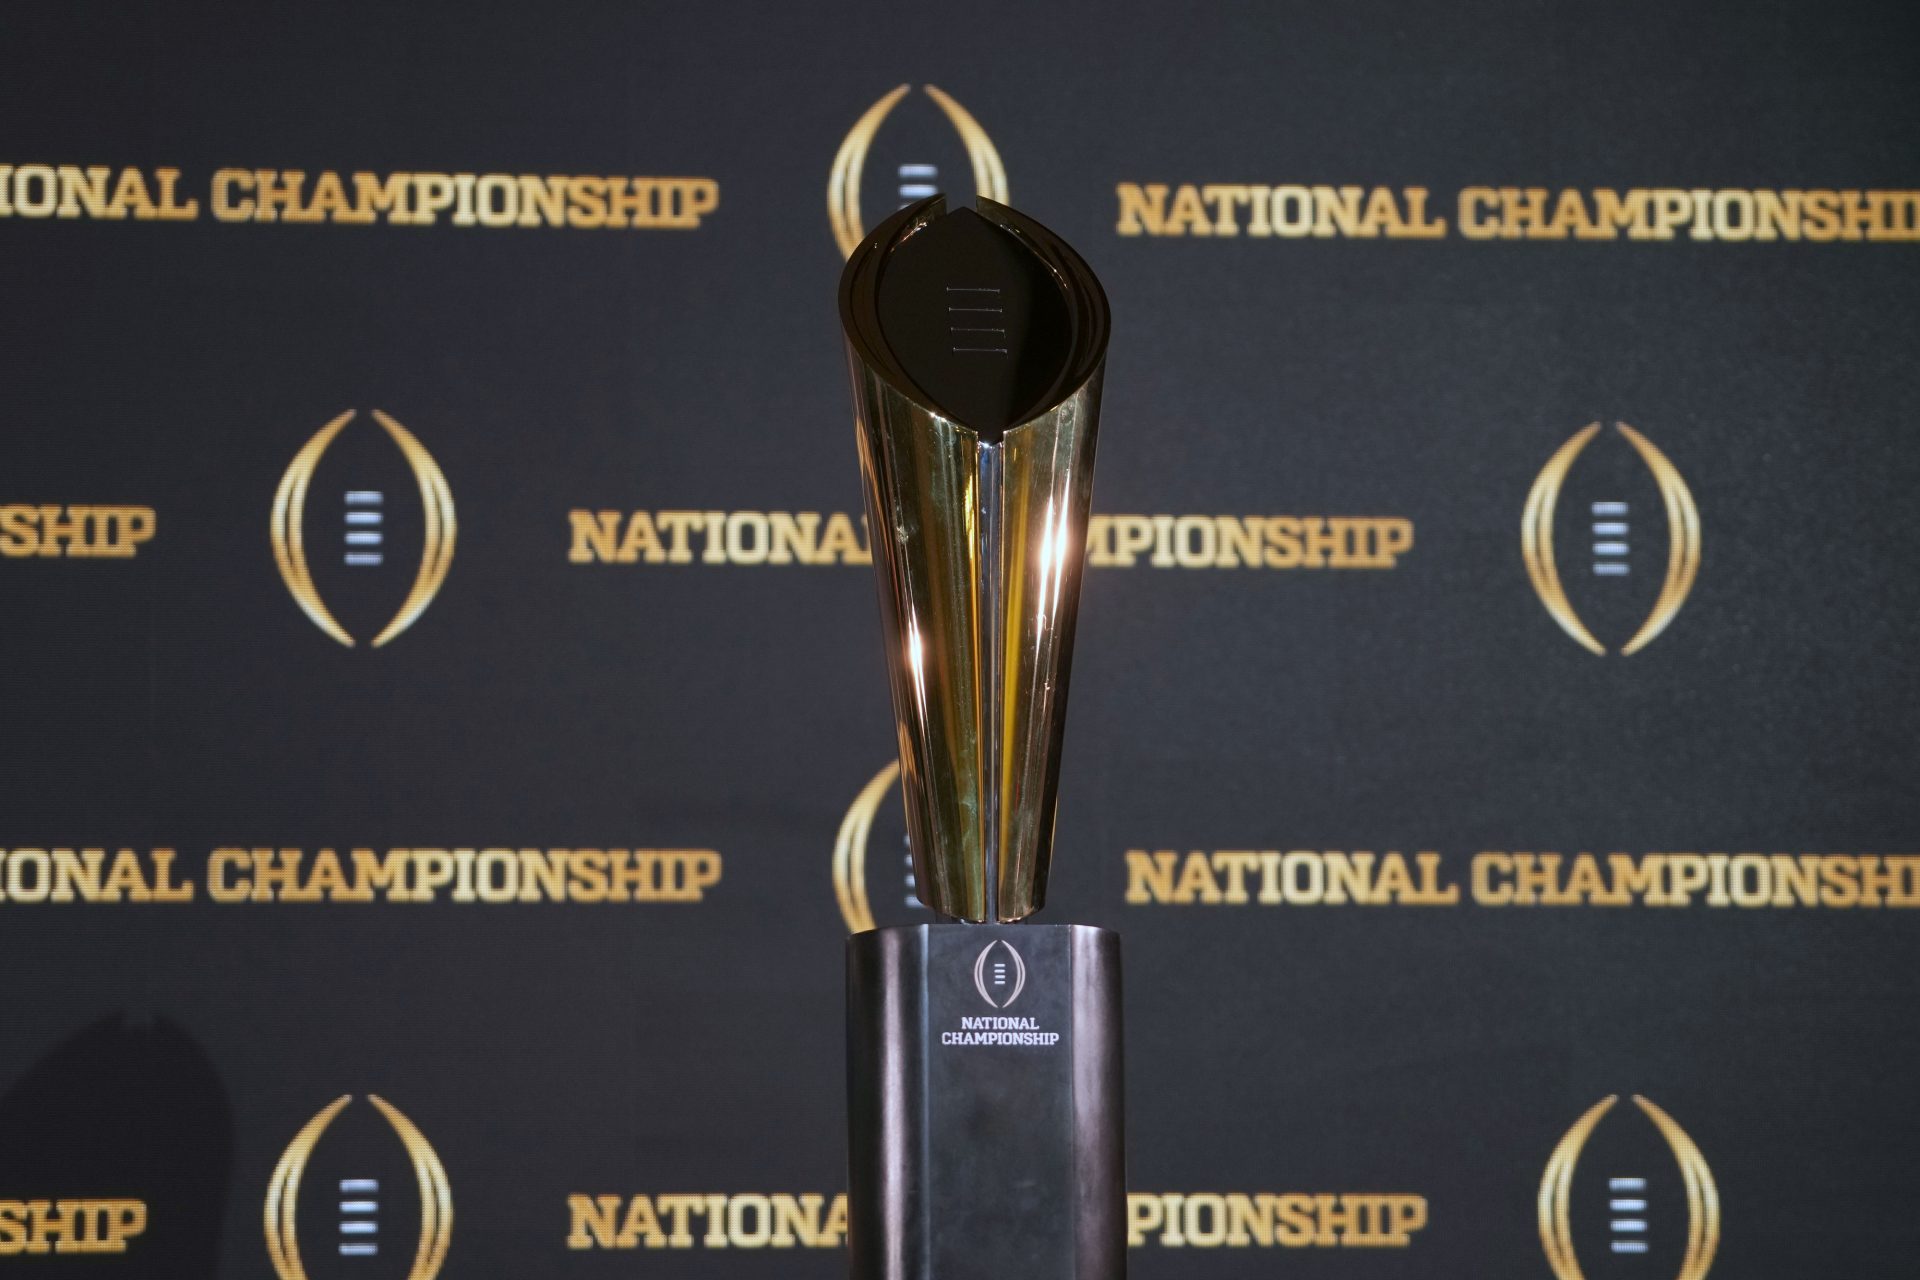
1556, 1184
843, 181
850, 850
289, 539
1683, 539
283, 1192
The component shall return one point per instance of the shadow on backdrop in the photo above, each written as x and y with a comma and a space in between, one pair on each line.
124, 1109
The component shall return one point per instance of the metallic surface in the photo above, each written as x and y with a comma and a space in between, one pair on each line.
979, 549
985, 1161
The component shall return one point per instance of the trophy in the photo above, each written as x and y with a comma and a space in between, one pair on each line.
984, 1079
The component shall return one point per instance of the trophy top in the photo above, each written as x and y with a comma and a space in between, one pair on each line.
976, 320
984, 317
976, 340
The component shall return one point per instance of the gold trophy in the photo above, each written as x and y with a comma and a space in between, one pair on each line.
977, 406
983, 1056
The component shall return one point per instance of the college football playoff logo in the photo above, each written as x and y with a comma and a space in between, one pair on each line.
915, 172
1645, 1203
355, 1188
352, 540
999, 974
1610, 525
871, 824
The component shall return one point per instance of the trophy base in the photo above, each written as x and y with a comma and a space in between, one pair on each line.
984, 1092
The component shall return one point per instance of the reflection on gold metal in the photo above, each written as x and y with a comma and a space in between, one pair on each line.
283, 1193
979, 549
843, 181
289, 521
850, 850
1703, 1196
1683, 539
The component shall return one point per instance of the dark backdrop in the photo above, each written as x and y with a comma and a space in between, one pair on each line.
551, 699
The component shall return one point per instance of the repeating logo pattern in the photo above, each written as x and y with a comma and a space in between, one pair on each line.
1613, 565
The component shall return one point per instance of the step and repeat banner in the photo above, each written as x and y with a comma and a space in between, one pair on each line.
445, 729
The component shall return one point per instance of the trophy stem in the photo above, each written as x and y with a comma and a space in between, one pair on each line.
990, 508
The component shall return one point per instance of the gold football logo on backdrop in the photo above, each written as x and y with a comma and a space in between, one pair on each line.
850, 850
364, 533
1610, 529
359, 1198
1627, 1198
917, 180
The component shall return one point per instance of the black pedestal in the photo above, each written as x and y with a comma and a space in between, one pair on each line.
984, 1090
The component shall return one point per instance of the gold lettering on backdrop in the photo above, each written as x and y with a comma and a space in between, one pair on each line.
1248, 542
1836, 881
739, 1221
1651, 214
361, 198
70, 1226
1289, 212
1311, 877
95, 191
463, 875
87, 875
462, 199
236, 875
1234, 1220
1235, 877
716, 537
53, 530
1116, 541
